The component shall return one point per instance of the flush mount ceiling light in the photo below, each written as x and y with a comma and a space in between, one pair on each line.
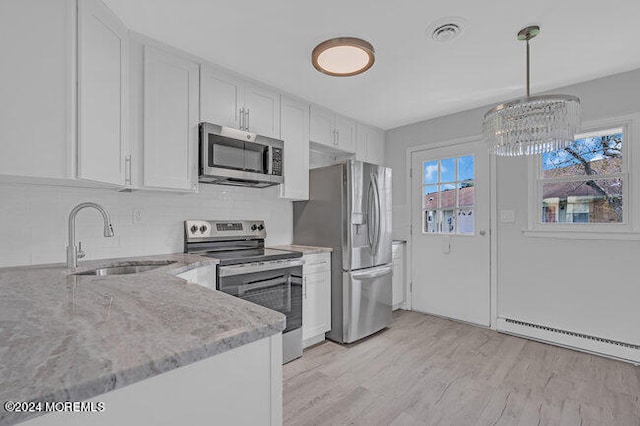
534, 124
343, 56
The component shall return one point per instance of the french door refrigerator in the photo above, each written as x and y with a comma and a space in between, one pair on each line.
349, 210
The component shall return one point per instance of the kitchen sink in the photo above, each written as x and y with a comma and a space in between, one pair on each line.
126, 268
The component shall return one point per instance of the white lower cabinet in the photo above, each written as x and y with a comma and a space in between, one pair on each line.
316, 298
242, 386
204, 276
398, 282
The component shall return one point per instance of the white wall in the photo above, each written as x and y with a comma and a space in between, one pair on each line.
33, 219
584, 286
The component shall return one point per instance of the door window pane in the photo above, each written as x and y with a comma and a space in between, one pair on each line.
448, 221
448, 170
466, 168
431, 221
466, 193
466, 221
431, 172
430, 197
447, 195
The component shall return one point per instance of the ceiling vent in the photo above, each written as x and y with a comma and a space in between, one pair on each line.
445, 32
445, 29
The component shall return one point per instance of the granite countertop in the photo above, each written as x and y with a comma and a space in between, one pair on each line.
69, 338
304, 249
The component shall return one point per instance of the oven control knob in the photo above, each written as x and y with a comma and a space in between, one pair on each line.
254, 227
203, 228
194, 229
260, 227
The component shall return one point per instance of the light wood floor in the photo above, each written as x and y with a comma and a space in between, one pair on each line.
428, 370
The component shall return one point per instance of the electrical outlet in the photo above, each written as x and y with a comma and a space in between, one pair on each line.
138, 216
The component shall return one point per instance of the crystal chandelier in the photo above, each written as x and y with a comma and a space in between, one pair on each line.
534, 124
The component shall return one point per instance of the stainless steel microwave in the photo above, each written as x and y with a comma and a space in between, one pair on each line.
234, 157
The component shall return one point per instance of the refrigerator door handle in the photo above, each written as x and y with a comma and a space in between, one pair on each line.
370, 217
378, 207
379, 272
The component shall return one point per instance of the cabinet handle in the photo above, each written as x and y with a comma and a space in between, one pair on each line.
337, 137
127, 170
247, 126
241, 118
304, 287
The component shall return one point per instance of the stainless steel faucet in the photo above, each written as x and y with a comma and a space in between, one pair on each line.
74, 253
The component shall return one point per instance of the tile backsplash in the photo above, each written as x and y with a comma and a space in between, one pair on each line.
33, 219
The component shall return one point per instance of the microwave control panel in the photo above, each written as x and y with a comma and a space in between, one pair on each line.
276, 161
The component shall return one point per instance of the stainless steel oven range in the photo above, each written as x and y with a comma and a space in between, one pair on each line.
248, 270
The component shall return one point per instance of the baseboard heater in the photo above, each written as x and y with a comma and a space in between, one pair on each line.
593, 344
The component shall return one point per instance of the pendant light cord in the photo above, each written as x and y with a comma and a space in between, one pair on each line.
528, 67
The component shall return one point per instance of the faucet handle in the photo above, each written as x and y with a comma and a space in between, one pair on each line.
80, 253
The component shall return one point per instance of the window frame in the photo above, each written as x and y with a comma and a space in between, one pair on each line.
629, 227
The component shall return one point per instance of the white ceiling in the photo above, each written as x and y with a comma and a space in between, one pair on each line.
413, 78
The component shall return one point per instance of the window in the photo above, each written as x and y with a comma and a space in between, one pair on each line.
585, 187
584, 183
448, 196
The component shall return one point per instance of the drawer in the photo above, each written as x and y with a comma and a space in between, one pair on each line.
319, 262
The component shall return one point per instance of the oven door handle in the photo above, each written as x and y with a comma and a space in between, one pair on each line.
249, 268
272, 282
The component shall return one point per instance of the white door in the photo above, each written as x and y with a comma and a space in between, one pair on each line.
102, 92
450, 237
170, 121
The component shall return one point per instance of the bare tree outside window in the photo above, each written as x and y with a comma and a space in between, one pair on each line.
583, 182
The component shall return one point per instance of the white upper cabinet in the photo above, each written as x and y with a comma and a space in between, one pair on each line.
102, 93
230, 101
170, 142
221, 98
44, 123
332, 130
294, 131
370, 146
322, 126
37, 88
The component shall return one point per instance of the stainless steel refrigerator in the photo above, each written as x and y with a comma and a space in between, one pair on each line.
349, 210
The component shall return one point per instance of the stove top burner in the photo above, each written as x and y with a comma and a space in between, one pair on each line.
235, 257
232, 242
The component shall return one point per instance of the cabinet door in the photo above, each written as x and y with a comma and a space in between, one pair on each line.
37, 88
221, 97
294, 131
362, 142
370, 144
316, 308
321, 126
346, 134
170, 121
398, 275
102, 93
262, 111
